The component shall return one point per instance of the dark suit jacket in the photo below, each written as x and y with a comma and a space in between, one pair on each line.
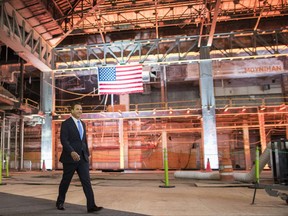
71, 141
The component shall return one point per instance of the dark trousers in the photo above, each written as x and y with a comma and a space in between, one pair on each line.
82, 169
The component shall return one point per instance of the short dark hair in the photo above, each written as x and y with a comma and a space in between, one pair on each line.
72, 106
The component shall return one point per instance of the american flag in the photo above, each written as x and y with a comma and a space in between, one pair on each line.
121, 79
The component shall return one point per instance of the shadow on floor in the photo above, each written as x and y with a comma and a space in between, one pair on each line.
21, 205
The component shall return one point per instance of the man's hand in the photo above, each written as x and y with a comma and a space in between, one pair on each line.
75, 156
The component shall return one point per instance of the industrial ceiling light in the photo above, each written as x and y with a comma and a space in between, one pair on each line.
188, 110
154, 111
170, 111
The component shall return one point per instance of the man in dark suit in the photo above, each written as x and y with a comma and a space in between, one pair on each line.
75, 157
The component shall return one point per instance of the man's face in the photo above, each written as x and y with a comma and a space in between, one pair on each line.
77, 111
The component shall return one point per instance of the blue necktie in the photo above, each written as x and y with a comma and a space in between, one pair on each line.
80, 128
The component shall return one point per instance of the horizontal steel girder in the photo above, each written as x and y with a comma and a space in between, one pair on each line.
183, 49
114, 16
17, 34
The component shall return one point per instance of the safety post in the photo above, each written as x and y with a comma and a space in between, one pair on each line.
165, 161
7, 166
1, 166
257, 173
257, 169
1, 160
166, 168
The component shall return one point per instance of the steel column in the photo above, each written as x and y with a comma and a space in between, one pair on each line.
8, 152
126, 148
16, 146
125, 100
246, 145
208, 109
163, 88
2, 121
286, 128
121, 144
261, 119
164, 143
21, 143
47, 100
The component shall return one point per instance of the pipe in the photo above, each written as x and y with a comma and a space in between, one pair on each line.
197, 175
13, 78
263, 160
242, 177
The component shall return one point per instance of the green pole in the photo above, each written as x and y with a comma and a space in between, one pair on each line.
7, 165
166, 170
166, 167
257, 170
1, 168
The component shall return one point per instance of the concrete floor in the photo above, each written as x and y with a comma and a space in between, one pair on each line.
135, 193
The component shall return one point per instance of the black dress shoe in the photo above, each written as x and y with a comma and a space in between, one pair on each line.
94, 209
60, 206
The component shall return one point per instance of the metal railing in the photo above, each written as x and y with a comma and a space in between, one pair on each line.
221, 102
31, 103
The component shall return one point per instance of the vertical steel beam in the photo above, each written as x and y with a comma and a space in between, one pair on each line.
16, 146
208, 109
163, 88
246, 145
125, 100
21, 144
286, 128
164, 143
8, 153
2, 126
89, 132
121, 143
263, 141
126, 148
47, 99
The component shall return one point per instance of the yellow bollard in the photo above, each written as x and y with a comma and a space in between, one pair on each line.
7, 166
1, 165
1, 168
166, 171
